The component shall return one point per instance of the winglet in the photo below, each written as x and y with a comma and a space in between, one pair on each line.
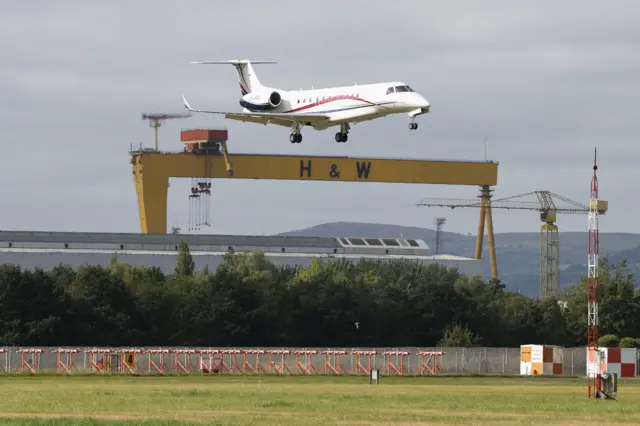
186, 104
233, 62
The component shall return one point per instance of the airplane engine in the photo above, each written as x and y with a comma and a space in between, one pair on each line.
264, 101
275, 99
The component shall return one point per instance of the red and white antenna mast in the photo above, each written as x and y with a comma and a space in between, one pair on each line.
593, 369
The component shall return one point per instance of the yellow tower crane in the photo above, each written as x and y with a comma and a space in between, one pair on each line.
549, 205
155, 121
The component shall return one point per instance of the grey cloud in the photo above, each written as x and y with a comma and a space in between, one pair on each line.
546, 82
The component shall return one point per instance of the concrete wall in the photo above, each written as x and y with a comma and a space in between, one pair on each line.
167, 260
454, 360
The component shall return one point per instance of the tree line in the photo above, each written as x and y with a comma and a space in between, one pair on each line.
248, 301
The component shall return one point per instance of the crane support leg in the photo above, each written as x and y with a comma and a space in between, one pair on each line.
480, 238
152, 191
490, 240
487, 218
227, 161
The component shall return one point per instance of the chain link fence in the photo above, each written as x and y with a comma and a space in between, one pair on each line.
406, 361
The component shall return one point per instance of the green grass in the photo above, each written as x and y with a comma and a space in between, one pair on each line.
316, 400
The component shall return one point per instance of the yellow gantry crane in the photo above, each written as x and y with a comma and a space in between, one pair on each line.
545, 202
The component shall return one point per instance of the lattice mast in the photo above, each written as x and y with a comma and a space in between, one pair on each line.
592, 286
155, 121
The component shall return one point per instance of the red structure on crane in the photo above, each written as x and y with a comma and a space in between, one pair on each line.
594, 370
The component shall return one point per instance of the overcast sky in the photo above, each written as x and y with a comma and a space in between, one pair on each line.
545, 82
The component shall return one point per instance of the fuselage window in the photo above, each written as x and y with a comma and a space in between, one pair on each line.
390, 90
401, 89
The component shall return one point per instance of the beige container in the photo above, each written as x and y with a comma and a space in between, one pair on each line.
536, 360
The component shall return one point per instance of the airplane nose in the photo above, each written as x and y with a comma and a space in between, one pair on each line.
423, 103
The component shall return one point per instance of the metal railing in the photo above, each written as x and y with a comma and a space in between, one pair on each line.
155, 360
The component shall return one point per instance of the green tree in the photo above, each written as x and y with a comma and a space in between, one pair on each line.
104, 309
185, 265
618, 307
608, 341
629, 342
457, 336
249, 301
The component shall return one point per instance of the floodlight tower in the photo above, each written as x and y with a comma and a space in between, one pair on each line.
593, 369
155, 121
439, 222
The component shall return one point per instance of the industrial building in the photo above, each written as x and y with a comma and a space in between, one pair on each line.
45, 250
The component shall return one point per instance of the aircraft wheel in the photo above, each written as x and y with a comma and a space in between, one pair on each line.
338, 137
344, 137
299, 138
292, 138
415, 126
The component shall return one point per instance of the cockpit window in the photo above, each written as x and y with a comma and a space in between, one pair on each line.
404, 89
390, 90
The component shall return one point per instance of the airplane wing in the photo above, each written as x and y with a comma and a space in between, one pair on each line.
258, 119
283, 119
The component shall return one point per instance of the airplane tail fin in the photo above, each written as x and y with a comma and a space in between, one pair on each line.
246, 75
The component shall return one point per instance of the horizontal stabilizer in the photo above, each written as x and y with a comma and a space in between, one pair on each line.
234, 62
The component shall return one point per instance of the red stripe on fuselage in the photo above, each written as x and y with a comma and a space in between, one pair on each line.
332, 99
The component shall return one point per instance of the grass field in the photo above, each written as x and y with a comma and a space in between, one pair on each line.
229, 400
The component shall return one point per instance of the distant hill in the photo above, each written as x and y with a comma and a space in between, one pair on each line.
518, 253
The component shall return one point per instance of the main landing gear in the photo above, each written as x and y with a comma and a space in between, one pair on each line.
343, 134
296, 136
413, 126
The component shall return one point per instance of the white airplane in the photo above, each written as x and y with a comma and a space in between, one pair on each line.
318, 108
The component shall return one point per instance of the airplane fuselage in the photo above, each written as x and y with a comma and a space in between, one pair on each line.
346, 104
318, 108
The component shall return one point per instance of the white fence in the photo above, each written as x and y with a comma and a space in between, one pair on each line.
390, 361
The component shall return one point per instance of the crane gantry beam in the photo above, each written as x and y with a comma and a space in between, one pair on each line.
547, 203
152, 170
